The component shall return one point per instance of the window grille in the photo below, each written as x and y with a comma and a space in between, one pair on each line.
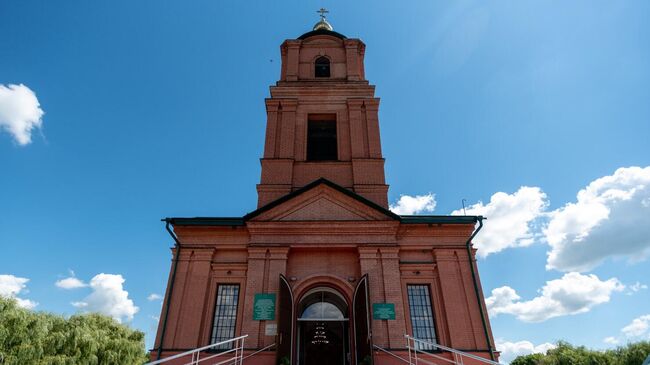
421, 315
225, 315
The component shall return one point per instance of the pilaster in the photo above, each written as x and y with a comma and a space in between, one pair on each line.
293, 59
356, 128
277, 264
194, 269
254, 284
352, 59
456, 303
370, 263
393, 294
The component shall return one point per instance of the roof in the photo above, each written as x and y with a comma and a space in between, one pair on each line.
322, 32
404, 219
312, 185
205, 221
440, 219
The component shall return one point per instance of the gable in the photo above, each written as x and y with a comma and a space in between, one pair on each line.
322, 202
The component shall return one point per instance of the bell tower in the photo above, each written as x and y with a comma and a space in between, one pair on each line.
322, 119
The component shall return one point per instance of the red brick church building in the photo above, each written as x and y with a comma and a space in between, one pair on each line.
322, 272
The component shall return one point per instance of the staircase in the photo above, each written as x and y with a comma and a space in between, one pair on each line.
232, 353
418, 356
419, 353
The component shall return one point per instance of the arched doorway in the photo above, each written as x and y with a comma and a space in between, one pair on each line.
323, 328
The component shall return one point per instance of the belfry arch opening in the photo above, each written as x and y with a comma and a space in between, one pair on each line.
323, 328
322, 67
321, 138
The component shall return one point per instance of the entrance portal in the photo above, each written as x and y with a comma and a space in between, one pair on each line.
323, 328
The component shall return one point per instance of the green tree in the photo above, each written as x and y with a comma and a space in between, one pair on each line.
567, 354
38, 338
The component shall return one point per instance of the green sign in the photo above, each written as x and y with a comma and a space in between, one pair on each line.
264, 307
383, 310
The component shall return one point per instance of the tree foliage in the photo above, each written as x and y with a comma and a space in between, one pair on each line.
567, 354
38, 338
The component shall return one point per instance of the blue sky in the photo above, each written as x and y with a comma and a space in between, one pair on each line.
155, 109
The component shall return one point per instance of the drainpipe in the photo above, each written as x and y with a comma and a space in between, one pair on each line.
479, 299
177, 246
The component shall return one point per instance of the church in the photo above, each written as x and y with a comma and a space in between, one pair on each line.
322, 272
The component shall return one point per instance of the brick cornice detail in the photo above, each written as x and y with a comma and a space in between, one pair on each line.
389, 252
333, 232
197, 254
368, 253
256, 253
449, 255
278, 253
292, 43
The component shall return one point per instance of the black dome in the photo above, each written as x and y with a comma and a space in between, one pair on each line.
322, 32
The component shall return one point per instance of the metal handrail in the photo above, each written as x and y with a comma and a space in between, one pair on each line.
457, 354
391, 354
238, 350
258, 351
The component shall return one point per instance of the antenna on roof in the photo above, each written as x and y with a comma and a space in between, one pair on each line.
463, 201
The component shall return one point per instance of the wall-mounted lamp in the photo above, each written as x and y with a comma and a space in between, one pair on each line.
293, 278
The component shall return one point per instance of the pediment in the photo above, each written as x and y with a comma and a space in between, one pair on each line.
323, 203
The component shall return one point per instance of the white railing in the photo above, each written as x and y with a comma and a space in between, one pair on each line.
391, 354
258, 351
233, 355
417, 354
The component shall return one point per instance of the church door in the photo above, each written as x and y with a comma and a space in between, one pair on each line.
323, 328
284, 338
362, 332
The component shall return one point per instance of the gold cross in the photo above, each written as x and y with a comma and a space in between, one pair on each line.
322, 12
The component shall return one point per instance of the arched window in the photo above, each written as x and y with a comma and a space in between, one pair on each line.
322, 67
323, 303
322, 310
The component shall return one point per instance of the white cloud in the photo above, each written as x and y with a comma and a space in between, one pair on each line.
11, 286
611, 340
70, 283
611, 218
20, 112
510, 219
636, 287
407, 205
152, 297
638, 329
572, 294
510, 350
109, 298
640, 326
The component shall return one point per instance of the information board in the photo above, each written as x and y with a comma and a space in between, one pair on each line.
383, 311
264, 307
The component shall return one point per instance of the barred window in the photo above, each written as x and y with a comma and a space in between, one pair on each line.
421, 315
225, 315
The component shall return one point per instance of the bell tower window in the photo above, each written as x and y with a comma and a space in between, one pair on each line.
321, 138
322, 67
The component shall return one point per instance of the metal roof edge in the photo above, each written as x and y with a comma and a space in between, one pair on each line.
440, 219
